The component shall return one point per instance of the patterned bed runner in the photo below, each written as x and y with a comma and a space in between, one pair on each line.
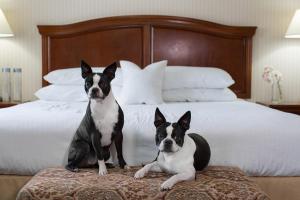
215, 183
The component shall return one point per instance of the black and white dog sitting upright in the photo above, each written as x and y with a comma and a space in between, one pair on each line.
179, 153
101, 125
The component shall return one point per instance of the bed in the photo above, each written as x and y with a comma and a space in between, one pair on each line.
36, 135
248, 141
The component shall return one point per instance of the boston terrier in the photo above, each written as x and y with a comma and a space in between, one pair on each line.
101, 125
179, 153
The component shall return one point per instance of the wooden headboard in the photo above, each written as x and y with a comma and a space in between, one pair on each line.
146, 39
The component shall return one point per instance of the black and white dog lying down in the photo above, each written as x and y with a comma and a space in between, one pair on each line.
179, 153
101, 125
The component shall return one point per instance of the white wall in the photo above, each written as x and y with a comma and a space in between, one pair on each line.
270, 47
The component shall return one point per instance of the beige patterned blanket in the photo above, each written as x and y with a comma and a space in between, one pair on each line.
215, 183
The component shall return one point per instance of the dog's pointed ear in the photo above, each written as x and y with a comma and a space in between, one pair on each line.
86, 70
159, 118
185, 120
110, 71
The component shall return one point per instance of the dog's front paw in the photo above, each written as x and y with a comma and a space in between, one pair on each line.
140, 174
127, 167
102, 171
102, 168
122, 164
167, 185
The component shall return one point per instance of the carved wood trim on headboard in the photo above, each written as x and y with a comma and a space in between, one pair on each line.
146, 39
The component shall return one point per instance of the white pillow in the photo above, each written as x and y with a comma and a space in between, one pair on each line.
67, 93
196, 77
62, 93
142, 86
195, 95
190, 77
72, 76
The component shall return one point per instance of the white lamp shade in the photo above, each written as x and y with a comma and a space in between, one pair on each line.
294, 27
5, 30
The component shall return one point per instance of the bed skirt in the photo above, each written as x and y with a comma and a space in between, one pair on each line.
277, 188
280, 188
11, 184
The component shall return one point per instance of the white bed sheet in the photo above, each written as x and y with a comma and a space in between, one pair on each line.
259, 140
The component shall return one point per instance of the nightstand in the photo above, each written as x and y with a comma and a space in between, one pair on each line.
7, 104
285, 107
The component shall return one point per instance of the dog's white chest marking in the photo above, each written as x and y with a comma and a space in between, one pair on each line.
105, 115
180, 161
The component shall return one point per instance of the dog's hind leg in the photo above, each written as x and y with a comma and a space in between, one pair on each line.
77, 152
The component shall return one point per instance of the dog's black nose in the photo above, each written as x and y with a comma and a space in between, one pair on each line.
95, 90
168, 142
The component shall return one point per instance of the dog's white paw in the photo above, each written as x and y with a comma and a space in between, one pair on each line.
102, 168
167, 185
102, 171
127, 167
140, 174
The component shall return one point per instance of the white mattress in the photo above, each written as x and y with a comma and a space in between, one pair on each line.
259, 140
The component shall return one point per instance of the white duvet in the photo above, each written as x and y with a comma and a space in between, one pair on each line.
259, 140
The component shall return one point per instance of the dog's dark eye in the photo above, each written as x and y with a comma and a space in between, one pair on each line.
88, 84
103, 84
178, 140
163, 135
